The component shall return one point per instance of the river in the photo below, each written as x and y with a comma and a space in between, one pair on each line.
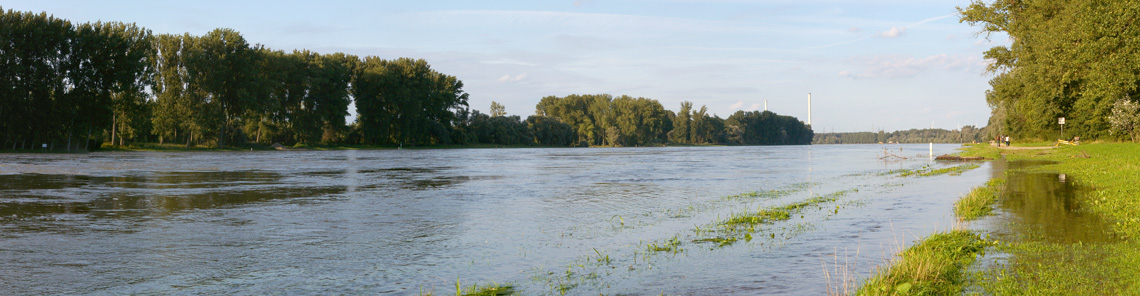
402, 222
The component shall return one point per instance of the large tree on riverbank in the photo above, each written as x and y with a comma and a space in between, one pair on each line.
1070, 59
60, 81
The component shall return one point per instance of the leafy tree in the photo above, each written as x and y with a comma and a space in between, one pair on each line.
1067, 59
1125, 118
681, 126
404, 100
497, 109
221, 64
550, 132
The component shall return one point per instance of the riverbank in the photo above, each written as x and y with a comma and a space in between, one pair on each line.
1028, 260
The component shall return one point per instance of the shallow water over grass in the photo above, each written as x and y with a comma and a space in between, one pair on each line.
1044, 207
548, 221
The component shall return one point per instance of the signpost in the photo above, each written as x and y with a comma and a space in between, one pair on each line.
1061, 121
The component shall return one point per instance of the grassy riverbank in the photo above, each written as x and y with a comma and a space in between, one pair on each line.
1106, 174
934, 266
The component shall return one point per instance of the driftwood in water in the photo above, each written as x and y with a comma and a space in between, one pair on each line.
960, 158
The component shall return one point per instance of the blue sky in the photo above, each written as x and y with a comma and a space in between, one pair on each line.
881, 64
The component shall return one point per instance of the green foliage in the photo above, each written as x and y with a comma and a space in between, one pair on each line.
404, 101
608, 121
550, 132
681, 124
1067, 59
59, 81
626, 121
766, 128
498, 109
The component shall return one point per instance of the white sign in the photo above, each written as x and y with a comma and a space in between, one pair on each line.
1060, 120
45, 146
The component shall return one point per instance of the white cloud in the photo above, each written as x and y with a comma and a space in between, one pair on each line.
754, 107
509, 78
898, 66
737, 105
893, 32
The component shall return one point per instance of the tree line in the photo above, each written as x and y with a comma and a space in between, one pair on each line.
626, 121
76, 87
1071, 59
966, 134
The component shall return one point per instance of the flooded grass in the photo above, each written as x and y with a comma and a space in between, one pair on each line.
591, 269
1071, 223
493, 289
422, 218
980, 201
740, 226
772, 193
934, 266
927, 171
670, 246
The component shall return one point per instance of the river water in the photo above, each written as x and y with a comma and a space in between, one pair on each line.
578, 221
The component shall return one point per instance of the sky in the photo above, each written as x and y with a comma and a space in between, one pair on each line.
869, 65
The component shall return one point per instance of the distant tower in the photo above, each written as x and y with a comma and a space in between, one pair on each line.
809, 109
765, 105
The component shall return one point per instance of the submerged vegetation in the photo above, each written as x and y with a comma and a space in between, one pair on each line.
741, 226
927, 170
934, 266
1039, 262
493, 289
979, 202
1042, 265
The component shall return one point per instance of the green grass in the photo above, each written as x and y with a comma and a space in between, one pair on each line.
672, 246
983, 150
934, 266
494, 289
490, 290
780, 213
1109, 173
979, 202
927, 170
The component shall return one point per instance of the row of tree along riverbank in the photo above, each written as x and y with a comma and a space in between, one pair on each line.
76, 86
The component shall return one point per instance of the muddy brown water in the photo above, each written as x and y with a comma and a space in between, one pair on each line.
398, 222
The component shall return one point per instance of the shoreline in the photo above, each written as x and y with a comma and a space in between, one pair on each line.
1106, 174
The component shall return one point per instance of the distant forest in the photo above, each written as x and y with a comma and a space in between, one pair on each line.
79, 86
967, 134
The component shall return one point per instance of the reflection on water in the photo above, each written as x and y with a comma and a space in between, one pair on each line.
32, 195
1047, 207
397, 221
